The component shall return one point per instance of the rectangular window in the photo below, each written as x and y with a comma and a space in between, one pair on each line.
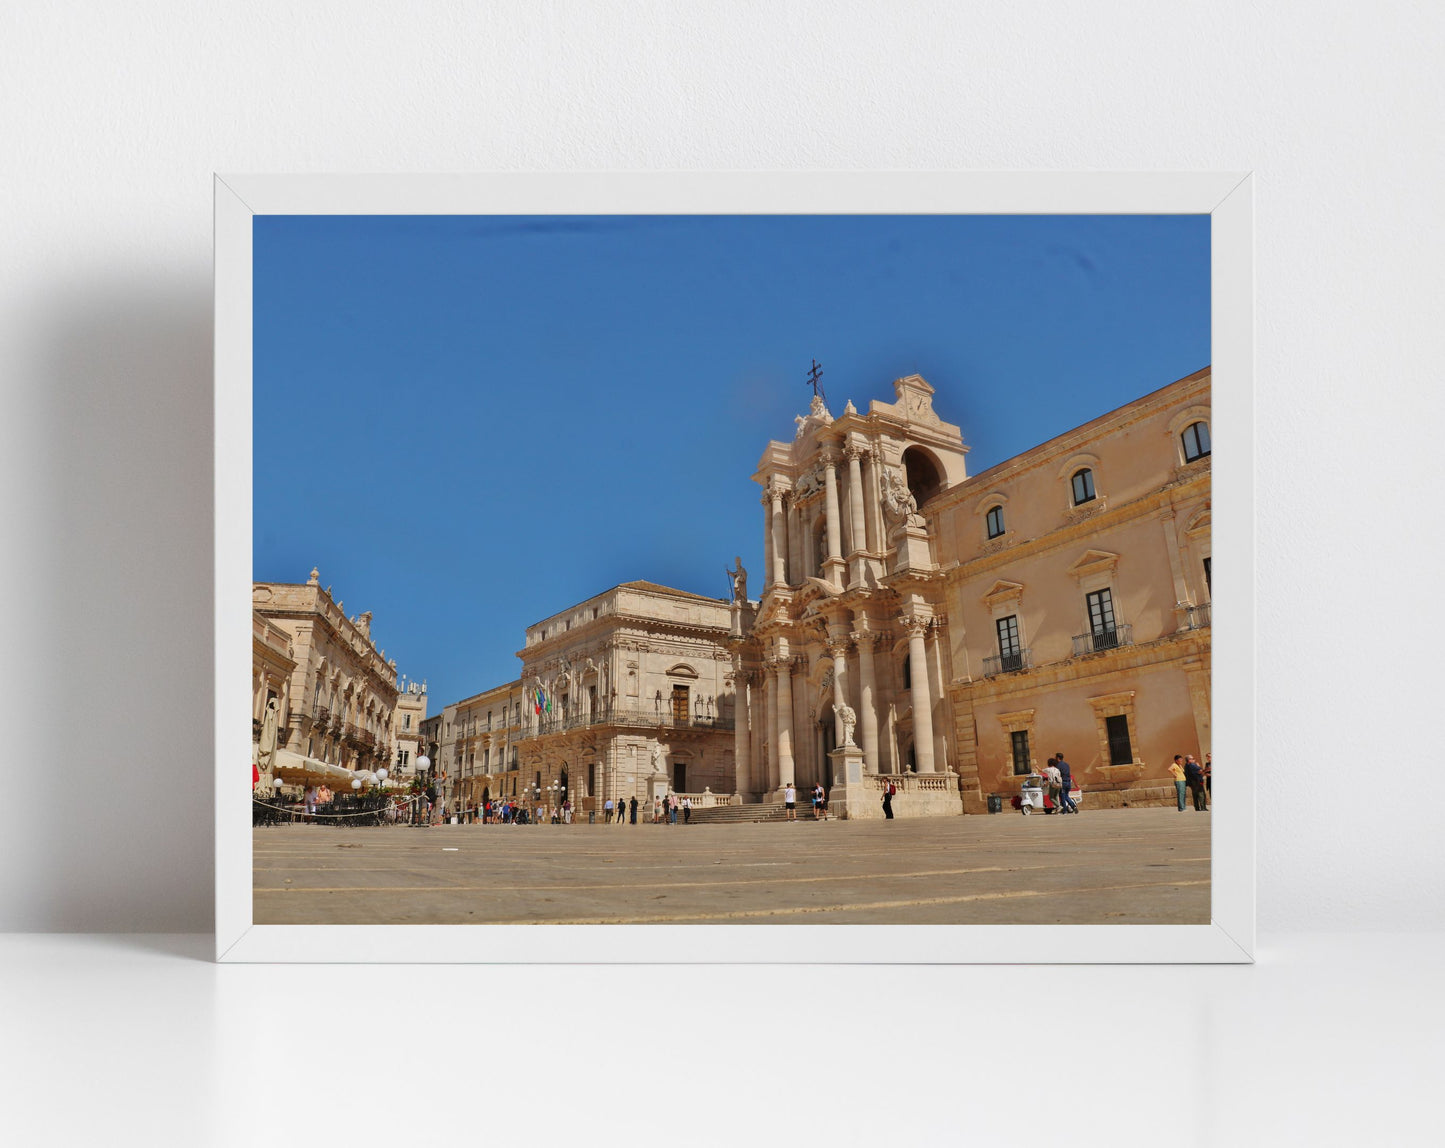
995, 522
1120, 751
406, 721
405, 757
486, 761
1208, 585
679, 777
679, 705
1020, 740
1083, 486
1010, 656
1101, 620
1196, 441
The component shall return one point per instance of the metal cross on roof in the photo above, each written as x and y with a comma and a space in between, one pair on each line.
814, 374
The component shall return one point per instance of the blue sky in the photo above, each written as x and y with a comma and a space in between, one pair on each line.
471, 423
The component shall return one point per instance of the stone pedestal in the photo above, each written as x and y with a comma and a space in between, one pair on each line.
849, 796
911, 548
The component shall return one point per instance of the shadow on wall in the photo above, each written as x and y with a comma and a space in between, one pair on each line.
121, 821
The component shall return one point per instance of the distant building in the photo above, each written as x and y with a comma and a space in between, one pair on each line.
340, 697
406, 723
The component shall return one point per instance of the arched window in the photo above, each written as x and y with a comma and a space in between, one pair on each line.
1083, 486
995, 522
1196, 441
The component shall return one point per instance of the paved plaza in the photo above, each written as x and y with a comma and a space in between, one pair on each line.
1135, 866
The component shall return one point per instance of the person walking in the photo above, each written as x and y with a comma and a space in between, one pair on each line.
634, 809
1195, 777
1055, 781
672, 809
817, 802
1176, 771
607, 811
687, 810
790, 802
889, 790
1066, 782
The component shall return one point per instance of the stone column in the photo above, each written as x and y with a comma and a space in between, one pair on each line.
922, 702
767, 501
833, 569
742, 781
839, 651
867, 695
857, 535
770, 778
780, 540
784, 668
873, 525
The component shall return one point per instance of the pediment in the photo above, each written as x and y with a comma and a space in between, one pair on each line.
682, 670
1003, 591
1094, 562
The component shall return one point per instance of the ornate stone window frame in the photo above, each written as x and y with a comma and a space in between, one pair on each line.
1083, 460
993, 500
1196, 413
1120, 704
1019, 721
1198, 533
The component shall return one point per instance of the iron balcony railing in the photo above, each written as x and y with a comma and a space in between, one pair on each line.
635, 716
1104, 638
1199, 616
1008, 663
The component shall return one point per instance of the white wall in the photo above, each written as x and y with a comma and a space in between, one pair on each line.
113, 116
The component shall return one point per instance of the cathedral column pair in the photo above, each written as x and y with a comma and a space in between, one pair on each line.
780, 714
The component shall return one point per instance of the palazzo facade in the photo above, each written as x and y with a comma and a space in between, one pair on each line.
634, 690
337, 702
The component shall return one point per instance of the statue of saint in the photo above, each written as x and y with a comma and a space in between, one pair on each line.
845, 714
739, 580
266, 749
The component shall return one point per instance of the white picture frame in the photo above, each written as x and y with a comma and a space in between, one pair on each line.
1225, 196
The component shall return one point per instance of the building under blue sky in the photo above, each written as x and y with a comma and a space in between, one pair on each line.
470, 423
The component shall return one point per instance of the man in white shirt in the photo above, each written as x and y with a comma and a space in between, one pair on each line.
790, 802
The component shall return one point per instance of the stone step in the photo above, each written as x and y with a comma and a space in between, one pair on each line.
761, 811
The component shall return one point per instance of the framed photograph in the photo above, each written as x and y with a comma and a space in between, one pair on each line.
742, 567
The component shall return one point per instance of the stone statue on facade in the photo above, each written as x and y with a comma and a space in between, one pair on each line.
266, 746
845, 714
898, 500
739, 580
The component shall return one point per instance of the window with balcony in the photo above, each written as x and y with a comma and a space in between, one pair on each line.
995, 522
1083, 481
1101, 619
1009, 655
1196, 441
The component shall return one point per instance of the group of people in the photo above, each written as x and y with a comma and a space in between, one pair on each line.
1060, 779
790, 802
1197, 778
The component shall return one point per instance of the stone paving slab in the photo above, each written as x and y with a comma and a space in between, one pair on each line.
1135, 866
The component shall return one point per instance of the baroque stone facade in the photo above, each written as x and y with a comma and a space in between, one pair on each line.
968, 627
634, 689
338, 702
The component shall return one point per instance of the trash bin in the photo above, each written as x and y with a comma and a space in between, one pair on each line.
592, 817
995, 803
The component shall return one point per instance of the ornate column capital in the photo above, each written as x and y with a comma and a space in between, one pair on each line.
916, 624
856, 451
838, 647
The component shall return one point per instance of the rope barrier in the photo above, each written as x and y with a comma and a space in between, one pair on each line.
302, 811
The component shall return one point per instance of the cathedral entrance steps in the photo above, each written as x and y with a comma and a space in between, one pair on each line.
763, 811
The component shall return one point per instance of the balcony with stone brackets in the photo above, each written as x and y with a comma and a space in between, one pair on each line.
1014, 663
1103, 639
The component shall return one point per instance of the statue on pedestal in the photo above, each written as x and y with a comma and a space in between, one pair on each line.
845, 714
739, 580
